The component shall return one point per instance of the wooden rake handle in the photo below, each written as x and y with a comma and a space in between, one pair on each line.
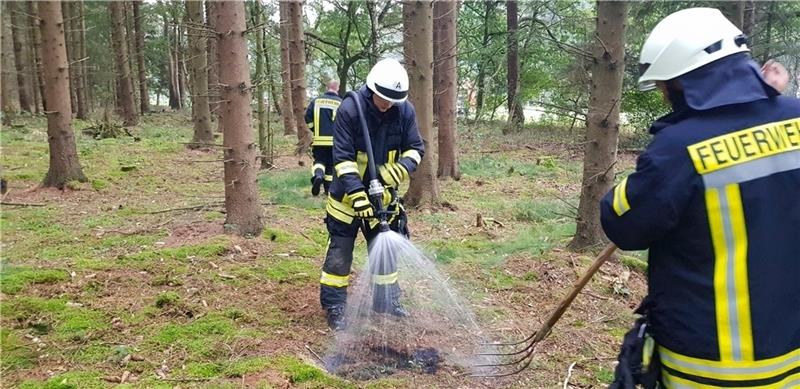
544, 330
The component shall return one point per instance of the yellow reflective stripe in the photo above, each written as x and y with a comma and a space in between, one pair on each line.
333, 280
362, 158
317, 166
731, 370
731, 291
413, 154
340, 211
392, 156
311, 125
345, 167
620, 203
328, 177
384, 279
322, 141
316, 119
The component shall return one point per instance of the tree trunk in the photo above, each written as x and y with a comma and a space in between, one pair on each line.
144, 96
372, 10
35, 78
445, 70
69, 37
255, 13
734, 11
243, 209
418, 52
213, 68
602, 129
297, 60
270, 77
286, 74
767, 45
79, 45
201, 115
33, 9
748, 18
64, 165
119, 38
488, 7
516, 117
132, 54
18, 35
9, 85
172, 88
180, 52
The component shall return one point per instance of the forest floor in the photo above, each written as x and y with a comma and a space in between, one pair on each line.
129, 277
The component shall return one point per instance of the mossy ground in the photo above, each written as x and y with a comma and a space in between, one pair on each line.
110, 276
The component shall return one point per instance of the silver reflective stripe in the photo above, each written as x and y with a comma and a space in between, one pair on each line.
752, 170
730, 244
732, 371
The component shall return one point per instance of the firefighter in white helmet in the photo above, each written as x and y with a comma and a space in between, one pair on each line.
398, 149
714, 199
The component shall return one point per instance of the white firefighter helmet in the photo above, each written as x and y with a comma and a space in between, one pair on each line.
685, 41
389, 80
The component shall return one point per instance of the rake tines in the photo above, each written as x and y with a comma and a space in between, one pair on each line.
531, 341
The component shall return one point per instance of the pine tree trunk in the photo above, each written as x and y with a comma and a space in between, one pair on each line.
36, 90
748, 17
173, 94
79, 73
201, 115
69, 37
8, 83
119, 38
144, 96
418, 51
213, 68
130, 44
488, 7
18, 35
297, 59
516, 117
244, 215
256, 12
85, 93
602, 131
286, 74
445, 71
33, 9
180, 51
64, 165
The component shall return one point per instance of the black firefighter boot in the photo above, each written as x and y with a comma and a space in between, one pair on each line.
335, 316
386, 299
316, 181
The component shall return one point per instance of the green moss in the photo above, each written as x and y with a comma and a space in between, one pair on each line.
291, 270
604, 375
202, 337
634, 263
244, 366
14, 279
167, 299
16, 354
68, 380
203, 369
209, 250
67, 322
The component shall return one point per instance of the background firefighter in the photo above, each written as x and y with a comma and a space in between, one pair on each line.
320, 114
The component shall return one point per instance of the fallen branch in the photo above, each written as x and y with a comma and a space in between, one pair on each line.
315, 354
569, 375
13, 204
192, 208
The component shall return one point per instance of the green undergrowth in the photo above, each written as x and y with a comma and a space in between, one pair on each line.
63, 319
14, 279
290, 188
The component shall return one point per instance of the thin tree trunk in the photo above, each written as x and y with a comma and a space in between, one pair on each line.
79, 43
372, 10
418, 51
173, 90
130, 44
244, 215
516, 117
69, 37
8, 83
445, 71
64, 165
297, 59
271, 78
765, 55
18, 35
748, 17
119, 38
286, 74
180, 51
201, 115
602, 131
213, 68
33, 70
488, 7
256, 12
144, 96
33, 9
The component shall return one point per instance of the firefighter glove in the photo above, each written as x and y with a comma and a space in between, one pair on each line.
361, 204
393, 173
